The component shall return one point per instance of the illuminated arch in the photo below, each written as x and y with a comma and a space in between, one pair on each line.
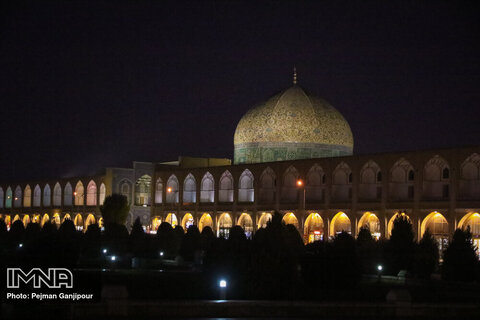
78, 222
8, 221
159, 192
313, 228
207, 188
290, 218
45, 219
92, 193
67, 195
205, 221
172, 189
57, 195
66, 217
224, 225
172, 219
100, 223
17, 200
264, 219
26, 220
245, 187
56, 219
16, 217
340, 222
472, 220
142, 190
390, 222
371, 221
245, 221
79, 194
8, 198
156, 223
27, 198
225, 190
436, 223
89, 220
187, 221
189, 189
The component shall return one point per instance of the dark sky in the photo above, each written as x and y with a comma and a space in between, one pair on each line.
84, 85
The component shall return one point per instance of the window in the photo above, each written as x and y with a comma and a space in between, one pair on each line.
446, 173
379, 176
350, 177
323, 179
411, 175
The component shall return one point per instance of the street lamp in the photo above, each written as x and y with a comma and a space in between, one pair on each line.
222, 284
379, 269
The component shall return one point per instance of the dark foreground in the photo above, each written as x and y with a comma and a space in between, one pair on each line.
126, 309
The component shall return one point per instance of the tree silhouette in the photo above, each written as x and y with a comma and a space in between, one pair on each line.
115, 209
426, 256
401, 246
460, 261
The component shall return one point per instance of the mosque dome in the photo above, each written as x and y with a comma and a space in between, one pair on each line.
292, 124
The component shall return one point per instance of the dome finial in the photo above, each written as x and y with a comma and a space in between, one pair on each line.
294, 75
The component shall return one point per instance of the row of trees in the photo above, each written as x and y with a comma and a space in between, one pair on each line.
275, 263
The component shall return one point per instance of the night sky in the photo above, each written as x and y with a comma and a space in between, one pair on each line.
85, 85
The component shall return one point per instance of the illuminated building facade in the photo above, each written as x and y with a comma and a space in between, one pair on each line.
309, 175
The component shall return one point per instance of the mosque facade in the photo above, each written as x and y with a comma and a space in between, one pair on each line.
293, 153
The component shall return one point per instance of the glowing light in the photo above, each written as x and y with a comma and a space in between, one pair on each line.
20, 245
299, 183
169, 189
379, 267
113, 258
75, 193
161, 253
104, 250
223, 283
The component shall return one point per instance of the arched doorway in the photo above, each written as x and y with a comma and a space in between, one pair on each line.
472, 221
45, 219
370, 221
90, 220
205, 221
390, 222
224, 225
156, 223
264, 219
340, 223
187, 221
78, 222
172, 219
313, 228
26, 220
290, 218
437, 225
245, 221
